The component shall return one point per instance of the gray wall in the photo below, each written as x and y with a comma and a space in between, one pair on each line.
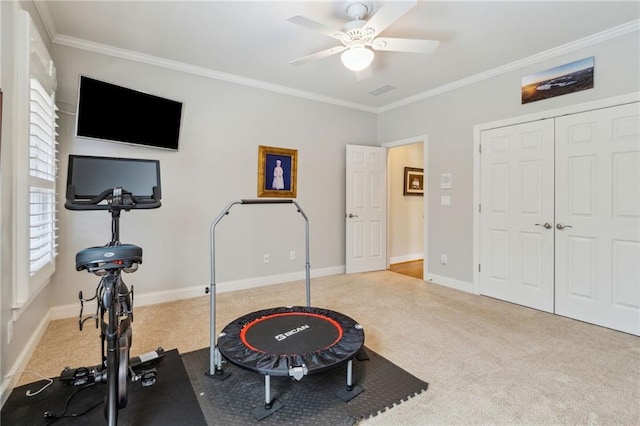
449, 118
223, 124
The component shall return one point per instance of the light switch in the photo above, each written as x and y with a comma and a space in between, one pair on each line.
446, 181
445, 200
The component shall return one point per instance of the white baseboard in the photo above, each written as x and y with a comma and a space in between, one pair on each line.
406, 258
10, 380
450, 282
69, 311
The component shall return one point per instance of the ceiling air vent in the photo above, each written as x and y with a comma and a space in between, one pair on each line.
381, 90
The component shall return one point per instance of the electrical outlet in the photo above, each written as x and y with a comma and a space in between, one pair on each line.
292, 255
266, 258
9, 331
443, 259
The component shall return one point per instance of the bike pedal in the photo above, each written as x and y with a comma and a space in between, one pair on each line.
148, 377
78, 376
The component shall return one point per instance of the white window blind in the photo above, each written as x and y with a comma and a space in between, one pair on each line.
34, 132
42, 177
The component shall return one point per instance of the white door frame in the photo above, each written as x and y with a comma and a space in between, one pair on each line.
477, 129
425, 161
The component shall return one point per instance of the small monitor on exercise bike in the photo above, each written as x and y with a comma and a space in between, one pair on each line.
93, 182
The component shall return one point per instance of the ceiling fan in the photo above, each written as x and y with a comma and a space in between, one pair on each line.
359, 37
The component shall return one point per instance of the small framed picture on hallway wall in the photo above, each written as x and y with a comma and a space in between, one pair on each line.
413, 181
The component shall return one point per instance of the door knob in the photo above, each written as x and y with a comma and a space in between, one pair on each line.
561, 226
546, 225
352, 215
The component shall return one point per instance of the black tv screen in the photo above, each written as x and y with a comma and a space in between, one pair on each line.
92, 175
114, 113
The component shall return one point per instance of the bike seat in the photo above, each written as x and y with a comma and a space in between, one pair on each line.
103, 259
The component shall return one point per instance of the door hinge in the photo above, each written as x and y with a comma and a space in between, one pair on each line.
480, 149
478, 267
479, 208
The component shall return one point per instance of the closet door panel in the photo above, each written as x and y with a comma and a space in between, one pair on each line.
597, 235
517, 200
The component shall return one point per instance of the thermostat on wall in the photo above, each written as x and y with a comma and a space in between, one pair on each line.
445, 181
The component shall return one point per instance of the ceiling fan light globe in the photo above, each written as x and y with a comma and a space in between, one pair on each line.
357, 58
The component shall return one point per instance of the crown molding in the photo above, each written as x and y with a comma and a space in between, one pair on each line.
104, 49
591, 40
47, 19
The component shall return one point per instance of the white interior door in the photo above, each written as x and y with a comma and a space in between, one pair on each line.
516, 217
598, 217
366, 215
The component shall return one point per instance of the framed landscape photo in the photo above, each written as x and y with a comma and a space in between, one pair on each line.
277, 172
413, 181
568, 78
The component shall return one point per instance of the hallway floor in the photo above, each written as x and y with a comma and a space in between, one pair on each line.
412, 268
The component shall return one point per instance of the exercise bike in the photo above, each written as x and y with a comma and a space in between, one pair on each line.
114, 311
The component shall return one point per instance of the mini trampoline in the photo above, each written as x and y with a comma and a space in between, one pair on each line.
291, 341
287, 341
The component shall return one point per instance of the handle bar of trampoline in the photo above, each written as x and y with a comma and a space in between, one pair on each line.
215, 360
272, 201
266, 201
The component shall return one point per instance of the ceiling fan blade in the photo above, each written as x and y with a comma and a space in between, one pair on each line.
409, 45
387, 15
316, 26
319, 55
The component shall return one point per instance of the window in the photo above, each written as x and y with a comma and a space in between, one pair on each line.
35, 164
42, 178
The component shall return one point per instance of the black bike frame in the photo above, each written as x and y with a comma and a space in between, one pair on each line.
114, 298
115, 301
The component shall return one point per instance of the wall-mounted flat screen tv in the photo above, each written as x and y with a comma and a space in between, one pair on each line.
114, 113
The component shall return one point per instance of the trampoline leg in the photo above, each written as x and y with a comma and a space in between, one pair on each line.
215, 365
352, 390
350, 375
270, 405
267, 392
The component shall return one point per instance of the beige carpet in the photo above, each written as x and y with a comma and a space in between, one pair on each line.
486, 361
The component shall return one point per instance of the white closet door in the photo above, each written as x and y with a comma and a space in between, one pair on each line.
598, 217
516, 202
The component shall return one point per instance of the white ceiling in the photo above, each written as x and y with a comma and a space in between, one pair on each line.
252, 42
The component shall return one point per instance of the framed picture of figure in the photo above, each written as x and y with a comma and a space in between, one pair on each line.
413, 181
277, 172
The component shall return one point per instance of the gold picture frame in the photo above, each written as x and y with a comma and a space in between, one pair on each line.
277, 172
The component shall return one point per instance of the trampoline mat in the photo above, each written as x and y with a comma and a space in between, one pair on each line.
271, 341
310, 401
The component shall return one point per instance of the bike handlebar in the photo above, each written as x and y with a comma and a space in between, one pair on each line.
127, 201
